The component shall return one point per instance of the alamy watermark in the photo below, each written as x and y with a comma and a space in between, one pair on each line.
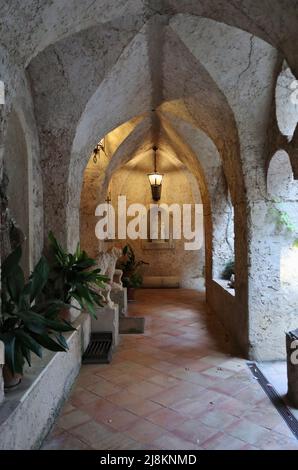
158, 222
294, 354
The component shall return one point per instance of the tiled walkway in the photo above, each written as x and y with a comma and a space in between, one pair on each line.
176, 387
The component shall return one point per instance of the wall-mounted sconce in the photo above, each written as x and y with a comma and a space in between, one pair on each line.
155, 180
96, 152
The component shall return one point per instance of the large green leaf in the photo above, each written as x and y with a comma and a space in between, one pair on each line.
9, 343
27, 340
61, 326
15, 283
35, 327
39, 278
11, 262
27, 354
9, 324
18, 358
55, 243
48, 342
62, 341
32, 320
73, 276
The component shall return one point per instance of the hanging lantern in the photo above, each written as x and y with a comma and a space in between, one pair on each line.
155, 180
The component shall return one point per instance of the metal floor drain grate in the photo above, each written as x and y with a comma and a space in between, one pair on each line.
99, 350
275, 398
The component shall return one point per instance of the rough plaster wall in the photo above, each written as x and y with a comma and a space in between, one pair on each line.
23, 105
195, 97
92, 194
18, 97
65, 90
235, 67
28, 27
16, 168
281, 260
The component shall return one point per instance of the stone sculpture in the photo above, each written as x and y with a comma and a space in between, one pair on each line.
107, 263
115, 274
103, 261
118, 278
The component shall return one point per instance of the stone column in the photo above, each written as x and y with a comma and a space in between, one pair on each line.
272, 309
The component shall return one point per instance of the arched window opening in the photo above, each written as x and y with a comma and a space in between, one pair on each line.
223, 243
286, 98
283, 191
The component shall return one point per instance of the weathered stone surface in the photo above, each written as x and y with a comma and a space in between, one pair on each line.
75, 72
120, 298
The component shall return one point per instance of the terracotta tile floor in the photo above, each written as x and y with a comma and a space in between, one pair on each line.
175, 387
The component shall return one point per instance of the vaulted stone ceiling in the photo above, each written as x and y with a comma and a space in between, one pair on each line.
92, 81
28, 26
158, 66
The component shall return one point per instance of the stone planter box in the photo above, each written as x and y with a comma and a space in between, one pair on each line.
107, 321
292, 364
29, 411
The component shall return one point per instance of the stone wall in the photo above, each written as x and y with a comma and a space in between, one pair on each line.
170, 72
179, 187
16, 169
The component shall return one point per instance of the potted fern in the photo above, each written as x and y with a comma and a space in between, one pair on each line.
27, 324
74, 276
132, 277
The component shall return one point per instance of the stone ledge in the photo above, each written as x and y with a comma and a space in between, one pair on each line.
28, 412
224, 284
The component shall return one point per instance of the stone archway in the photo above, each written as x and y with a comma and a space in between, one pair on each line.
207, 93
